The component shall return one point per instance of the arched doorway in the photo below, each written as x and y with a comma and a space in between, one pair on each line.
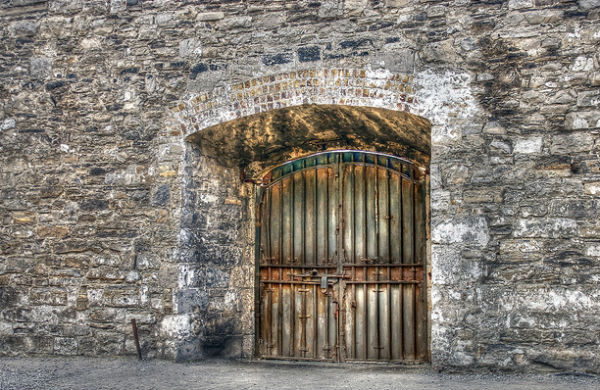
219, 278
341, 250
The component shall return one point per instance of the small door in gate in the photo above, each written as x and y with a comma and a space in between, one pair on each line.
341, 259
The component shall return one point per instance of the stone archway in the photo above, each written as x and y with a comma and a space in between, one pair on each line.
217, 283
445, 99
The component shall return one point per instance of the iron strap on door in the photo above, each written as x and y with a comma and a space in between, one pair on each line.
341, 248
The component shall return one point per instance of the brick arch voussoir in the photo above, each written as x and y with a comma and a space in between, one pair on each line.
340, 86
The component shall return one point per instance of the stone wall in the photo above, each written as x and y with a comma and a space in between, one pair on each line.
106, 207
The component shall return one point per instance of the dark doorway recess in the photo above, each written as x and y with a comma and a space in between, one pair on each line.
341, 249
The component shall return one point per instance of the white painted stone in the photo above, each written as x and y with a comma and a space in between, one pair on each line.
164, 18
6, 329
484, 76
493, 127
544, 227
593, 250
589, 4
528, 145
354, 7
209, 16
176, 326
574, 121
449, 267
443, 96
583, 64
396, 3
468, 230
117, 6
440, 199
501, 145
520, 4
8, 123
592, 188
462, 359
190, 48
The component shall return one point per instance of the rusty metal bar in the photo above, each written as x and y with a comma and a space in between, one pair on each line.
136, 338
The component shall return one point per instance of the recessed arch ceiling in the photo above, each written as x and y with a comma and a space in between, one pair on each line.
261, 140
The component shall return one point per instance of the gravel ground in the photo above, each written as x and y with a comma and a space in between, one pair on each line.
127, 373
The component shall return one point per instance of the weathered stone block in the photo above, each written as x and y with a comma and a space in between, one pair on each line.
528, 145
545, 227
460, 230
582, 120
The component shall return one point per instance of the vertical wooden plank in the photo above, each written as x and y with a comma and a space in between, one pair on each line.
286, 323
310, 220
354, 316
384, 322
265, 227
274, 318
395, 219
332, 205
321, 324
366, 314
407, 222
292, 318
372, 328
298, 221
280, 315
332, 335
275, 228
321, 217
371, 213
298, 323
384, 216
309, 331
286, 222
396, 322
262, 346
360, 322
360, 235
408, 323
347, 225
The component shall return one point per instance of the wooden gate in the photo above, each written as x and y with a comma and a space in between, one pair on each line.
342, 247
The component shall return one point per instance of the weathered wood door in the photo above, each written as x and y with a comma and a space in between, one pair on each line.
341, 247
